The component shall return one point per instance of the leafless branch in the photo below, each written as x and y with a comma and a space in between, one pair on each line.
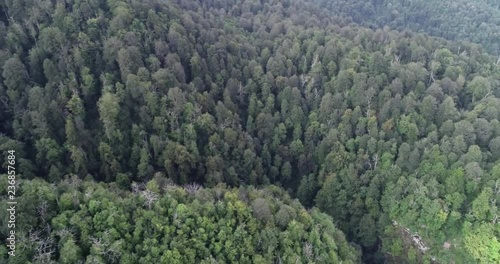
375, 161
137, 187
42, 210
192, 187
150, 197
487, 94
308, 250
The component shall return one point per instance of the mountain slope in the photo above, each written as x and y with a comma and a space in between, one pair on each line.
475, 21
391, 133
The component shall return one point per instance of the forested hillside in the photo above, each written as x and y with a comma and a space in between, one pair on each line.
476, 21
395, 135
163, 223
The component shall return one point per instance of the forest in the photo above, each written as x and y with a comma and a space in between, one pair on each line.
475, 21
245, 131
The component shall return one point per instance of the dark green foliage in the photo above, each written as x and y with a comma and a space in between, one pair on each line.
374, 127
474, 21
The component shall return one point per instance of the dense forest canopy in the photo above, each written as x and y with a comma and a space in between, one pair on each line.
394, 134
475, 21
162, 223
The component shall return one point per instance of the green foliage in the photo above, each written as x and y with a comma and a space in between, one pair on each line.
372, 126
482, 242
173, 224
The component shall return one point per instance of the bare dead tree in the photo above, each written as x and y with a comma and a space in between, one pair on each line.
396, 60
375, 161
484, 97
97, 242
150, 197
316, 93
496, 193
431, 78
137, 187
88, 193
315, 60
368, 108
65, 232
226, 123
42, 211
304, 79
169, 186
308, 250
44, 248
104, 247
113, 252
33, 235
192, 187
367, 162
